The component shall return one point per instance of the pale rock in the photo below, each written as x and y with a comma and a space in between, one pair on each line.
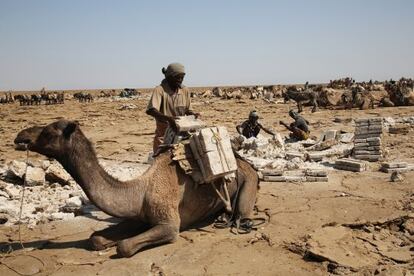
294, 164
17, 169
3, 170
4, 194
45, 164
346, 137
8, 207
12, 190
56, 173
409, 226
34, 176
128, 106
277, 141
61, 216
74, 202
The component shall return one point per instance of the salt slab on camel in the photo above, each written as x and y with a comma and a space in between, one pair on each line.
212, 149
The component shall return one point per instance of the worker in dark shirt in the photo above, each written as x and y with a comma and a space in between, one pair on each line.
299, 128
252, 127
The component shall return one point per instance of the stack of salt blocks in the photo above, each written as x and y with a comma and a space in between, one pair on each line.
367, 139
212, 149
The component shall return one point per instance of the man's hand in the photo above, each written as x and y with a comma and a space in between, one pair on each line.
172, 123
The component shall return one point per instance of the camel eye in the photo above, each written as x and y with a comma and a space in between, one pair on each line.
48, 136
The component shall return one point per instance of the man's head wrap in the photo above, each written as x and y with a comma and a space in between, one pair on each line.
253, 114
293, 113
173, 69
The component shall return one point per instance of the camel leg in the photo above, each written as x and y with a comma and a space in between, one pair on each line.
247, 193
315, 105
247, 199
159, 234
108, 237
299, 107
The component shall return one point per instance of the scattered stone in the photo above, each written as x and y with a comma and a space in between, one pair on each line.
292, 155
128, 106
56, 173
346, 137
45, 164
396, 177
17, 169
401, 256
409, 226
7, 207
34, 176
72, 204
3, 171
61, 216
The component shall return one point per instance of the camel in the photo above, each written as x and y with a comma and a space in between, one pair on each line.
155, 206
300, 98
83, 97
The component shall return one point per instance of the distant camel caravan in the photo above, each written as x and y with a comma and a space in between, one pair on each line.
37, 99
7, 98
343, 93
83, 97
154, 206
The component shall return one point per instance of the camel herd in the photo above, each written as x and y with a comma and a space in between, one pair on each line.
343, 93
33, 99
83, 97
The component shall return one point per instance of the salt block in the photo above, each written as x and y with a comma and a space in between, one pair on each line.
316, 179
316, 173
272, 172
274, 178
349, 168
187, 123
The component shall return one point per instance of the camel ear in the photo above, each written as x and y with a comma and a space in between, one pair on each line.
69, 129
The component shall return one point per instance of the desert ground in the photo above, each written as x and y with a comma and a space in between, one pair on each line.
356, 223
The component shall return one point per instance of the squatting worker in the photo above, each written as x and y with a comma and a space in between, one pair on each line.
169, 100
299, 128
251, 127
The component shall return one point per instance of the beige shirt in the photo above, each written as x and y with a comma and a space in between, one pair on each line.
169, 103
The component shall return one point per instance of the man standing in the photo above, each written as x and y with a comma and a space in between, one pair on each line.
169, 100
299, 128
252, 127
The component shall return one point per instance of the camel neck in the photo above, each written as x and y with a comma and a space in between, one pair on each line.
114, 197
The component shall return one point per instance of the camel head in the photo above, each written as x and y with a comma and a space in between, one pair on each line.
52, 140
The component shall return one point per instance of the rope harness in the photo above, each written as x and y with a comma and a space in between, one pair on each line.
22, 199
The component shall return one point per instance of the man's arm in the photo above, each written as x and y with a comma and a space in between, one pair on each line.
159, 116
239, 129
191, 112
266, 130
286, 125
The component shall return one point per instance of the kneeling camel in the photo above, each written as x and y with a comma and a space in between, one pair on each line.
155, 206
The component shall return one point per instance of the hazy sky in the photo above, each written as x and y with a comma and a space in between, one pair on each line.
114, 44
